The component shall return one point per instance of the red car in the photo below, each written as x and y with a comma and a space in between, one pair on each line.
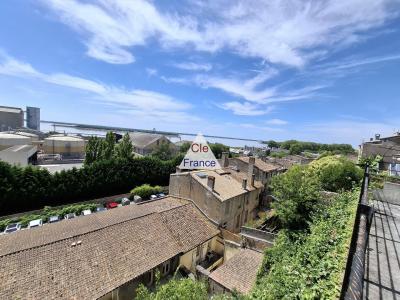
111, 205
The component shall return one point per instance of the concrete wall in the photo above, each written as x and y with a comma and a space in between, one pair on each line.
17, 158
390, 193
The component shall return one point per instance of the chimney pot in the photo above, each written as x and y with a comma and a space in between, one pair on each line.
250, 170
211, 182
253, 177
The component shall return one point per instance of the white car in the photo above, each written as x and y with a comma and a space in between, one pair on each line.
12, 227
69, 216
86, 212
153, 197
35, 223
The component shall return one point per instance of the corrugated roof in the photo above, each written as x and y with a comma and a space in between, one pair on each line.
64, 138
240, 272
20, 148
115, 247
6, 135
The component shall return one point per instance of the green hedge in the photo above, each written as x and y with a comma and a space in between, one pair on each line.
145, 191
30, 188
310, 264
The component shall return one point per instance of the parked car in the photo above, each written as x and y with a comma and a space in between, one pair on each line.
125, 201
35, 223
160, 195
12, 227
153, 197
86, 212
98, 209
54, 219
70, 216
137, 199
111, 205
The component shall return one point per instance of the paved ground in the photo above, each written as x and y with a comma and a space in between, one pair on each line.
382, 262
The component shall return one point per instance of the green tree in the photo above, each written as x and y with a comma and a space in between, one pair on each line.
175, 289
184, 147
218, 148
93, 150
296, 196
335, 173
272, 144
124, 148
108, 150
163, 151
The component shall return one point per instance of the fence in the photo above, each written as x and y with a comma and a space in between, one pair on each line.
352, 288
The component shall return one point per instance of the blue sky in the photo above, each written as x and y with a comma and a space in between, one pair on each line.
325, 71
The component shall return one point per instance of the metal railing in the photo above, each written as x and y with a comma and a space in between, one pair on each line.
353, 282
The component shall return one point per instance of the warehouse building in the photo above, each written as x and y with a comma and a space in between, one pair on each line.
11, 118
8, 140
20, 155
66, 145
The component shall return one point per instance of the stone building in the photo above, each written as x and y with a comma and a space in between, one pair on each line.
107, 254
146, 143
386, 147
262, 170
228, 197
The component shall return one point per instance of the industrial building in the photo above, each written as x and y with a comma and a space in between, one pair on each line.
33, 117
8, 140
11, 118
20, 155
65, 145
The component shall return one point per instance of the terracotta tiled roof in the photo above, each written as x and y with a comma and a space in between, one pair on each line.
260, 164
239, 272
113, 247
226, 185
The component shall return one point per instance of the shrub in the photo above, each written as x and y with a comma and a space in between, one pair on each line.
335, 173
24, 189
310, 264
145, 191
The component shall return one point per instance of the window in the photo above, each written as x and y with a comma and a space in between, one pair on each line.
245, 216
227, 204
238, 221
166, 267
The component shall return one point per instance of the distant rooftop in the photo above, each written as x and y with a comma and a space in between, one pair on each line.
141, 140
20, 148
9, 109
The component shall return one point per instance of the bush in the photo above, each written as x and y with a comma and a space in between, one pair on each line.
297, 196
310, 264
175, 289
335, 173
145, 191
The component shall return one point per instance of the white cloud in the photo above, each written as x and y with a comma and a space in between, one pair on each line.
191, 66
245, 108
144, 101
151, 72
282, 32
276, 122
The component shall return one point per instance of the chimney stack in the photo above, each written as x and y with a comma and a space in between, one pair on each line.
250, 170
178, 170
211, 182
253, 177
224, 158
244, 183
